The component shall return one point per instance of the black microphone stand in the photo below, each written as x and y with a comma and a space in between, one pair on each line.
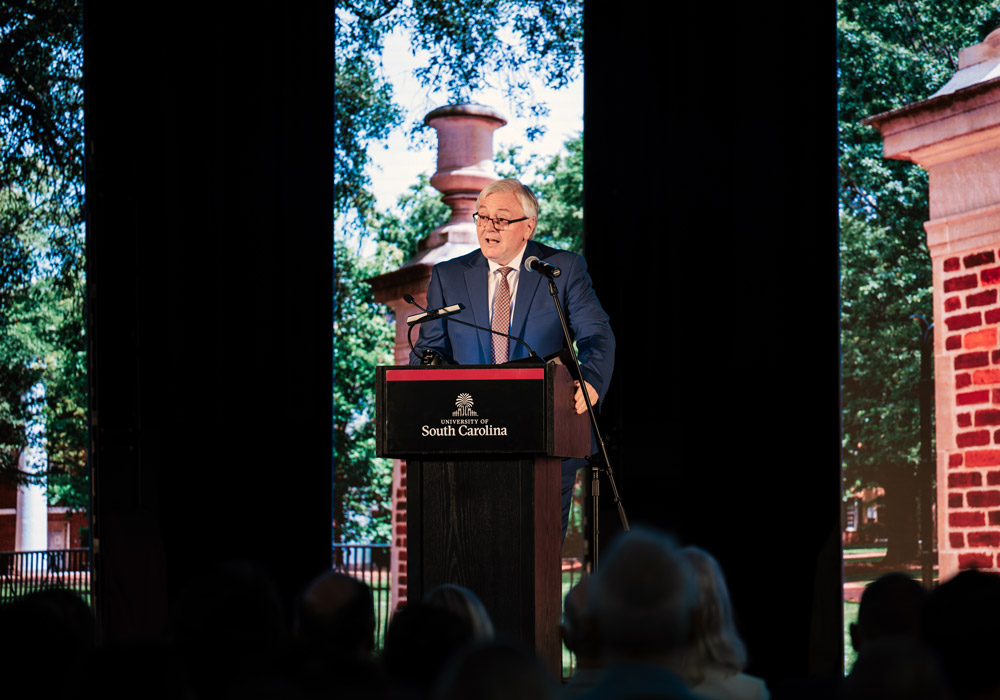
595, 484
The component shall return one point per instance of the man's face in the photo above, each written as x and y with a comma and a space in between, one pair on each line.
502, 246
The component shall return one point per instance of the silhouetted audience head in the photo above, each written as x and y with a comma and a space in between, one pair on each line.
336, 612
643, 596
465, 604
230, 628
49, 619
891, 606
961, 624
896, 668
334, 634
75, 616
579, 626
714, 642
420, 641
152, 670
495, 670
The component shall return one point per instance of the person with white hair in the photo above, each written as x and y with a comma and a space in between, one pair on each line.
713, 661
643, 598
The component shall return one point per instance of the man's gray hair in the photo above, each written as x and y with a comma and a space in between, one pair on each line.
644, 595
529, 203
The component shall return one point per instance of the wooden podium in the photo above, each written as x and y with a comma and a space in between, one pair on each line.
483, 446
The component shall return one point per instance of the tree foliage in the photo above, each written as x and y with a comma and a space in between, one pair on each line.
42, 238
558, 185
469, 46
466, 46
559, 188
362, 341
884, 281
891, 53
41, 119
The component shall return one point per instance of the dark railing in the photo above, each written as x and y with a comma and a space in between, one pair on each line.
22, 573
369, 563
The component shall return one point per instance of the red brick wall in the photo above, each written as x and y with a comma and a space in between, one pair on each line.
8, 502
7, 532
970, 496
399, 535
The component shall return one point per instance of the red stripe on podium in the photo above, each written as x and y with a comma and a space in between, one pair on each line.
436, 375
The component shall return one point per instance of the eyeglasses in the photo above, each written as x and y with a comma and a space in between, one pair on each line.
498, 224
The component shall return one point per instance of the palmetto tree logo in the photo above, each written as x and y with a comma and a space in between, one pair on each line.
463, 406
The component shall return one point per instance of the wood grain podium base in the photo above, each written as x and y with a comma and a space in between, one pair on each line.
491, 524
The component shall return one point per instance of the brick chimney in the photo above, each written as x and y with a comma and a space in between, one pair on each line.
464, 168
955, 136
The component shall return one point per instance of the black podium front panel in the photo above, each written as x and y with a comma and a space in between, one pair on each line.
483, 446
463, 410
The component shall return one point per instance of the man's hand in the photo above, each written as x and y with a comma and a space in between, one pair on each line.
581, 402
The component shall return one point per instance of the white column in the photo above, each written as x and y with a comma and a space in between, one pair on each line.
31, 529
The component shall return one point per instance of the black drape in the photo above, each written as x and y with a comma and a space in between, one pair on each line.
209, 135
711, 233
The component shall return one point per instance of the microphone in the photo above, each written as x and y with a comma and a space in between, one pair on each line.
432, 314
451, 310
429, 357
429, 315
542, 267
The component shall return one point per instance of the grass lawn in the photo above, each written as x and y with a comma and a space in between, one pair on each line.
862, 565
569, 577
850, 616
860, 569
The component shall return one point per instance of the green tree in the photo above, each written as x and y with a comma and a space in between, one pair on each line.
42, 237
559, 188
497, 43
891, 53
558, 184
884, 280
363, 340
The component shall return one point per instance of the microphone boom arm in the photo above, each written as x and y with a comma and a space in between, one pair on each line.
445, 312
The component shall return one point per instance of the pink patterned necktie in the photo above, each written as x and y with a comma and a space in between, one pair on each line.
501, 317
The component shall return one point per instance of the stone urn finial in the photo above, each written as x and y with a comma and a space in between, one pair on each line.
464, 166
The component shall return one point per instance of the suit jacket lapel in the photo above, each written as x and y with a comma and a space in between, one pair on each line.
528, 285
476, 282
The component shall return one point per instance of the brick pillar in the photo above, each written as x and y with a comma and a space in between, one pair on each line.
464, 167
955, 136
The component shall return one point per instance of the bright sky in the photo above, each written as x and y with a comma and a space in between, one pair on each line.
398, 165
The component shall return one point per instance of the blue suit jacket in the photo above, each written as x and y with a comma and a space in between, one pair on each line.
536, 321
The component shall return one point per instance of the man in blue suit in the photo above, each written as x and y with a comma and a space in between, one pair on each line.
499, 293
